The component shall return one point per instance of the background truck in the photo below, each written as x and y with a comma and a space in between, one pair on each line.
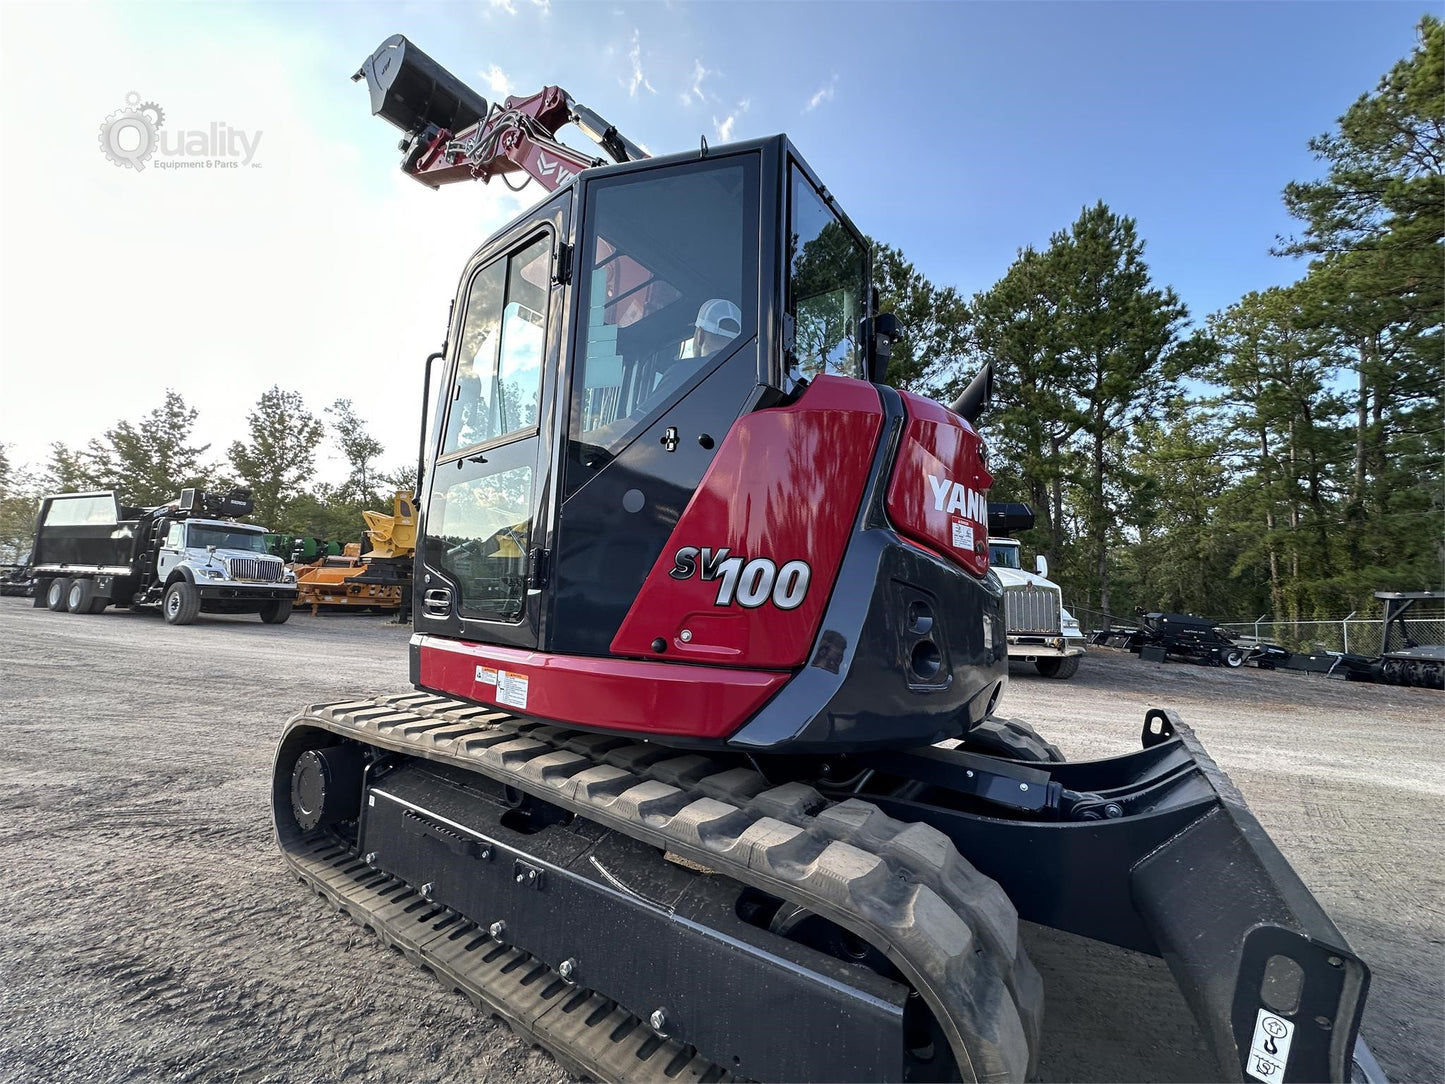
187, 557
1038, 627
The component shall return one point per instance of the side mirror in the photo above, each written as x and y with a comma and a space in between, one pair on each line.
1041, 566
878, 334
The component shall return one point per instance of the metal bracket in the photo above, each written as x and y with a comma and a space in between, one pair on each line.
1011, 785
527, 874
1160, 725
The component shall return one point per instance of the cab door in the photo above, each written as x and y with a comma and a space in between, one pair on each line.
172, 551
484, 564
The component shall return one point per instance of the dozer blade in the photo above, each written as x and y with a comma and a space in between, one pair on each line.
1160, 854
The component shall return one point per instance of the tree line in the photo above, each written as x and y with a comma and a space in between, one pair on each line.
1282, 456
148, 462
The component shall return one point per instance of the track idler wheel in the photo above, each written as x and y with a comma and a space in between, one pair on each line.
326, 785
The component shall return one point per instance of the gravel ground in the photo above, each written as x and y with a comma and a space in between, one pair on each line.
149, 931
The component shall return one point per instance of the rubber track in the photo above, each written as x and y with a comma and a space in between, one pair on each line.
592, 1036
901, 886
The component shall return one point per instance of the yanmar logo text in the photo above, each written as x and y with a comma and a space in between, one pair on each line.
955, 498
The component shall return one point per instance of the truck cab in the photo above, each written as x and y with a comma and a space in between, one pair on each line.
228, 567
1039, 629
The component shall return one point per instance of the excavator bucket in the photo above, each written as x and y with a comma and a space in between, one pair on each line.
412, 91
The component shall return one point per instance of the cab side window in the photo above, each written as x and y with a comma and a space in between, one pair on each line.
173, 540
498, 383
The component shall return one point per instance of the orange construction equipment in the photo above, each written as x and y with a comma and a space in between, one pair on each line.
378, 578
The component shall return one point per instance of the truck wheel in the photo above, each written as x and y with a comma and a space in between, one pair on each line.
77, 599
1011, 738
183, 603
56, 595
276, 613
1234, 658
1065, 667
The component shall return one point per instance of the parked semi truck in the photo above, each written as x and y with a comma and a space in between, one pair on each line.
1038, 627
188, 557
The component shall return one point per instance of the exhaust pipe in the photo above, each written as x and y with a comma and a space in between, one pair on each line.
976, 397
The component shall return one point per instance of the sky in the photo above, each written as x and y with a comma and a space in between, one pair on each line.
300, 256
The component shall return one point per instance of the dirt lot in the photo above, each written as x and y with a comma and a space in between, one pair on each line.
149, 933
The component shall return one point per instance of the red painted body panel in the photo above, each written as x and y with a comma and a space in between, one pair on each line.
611, 694
938, 496
782, 493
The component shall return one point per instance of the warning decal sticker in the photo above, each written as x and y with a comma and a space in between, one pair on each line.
511, 689
962, 535
486, 675
1269, 1052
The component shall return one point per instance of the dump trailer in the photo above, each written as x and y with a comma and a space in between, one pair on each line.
702, 777
1189, 637
188, 557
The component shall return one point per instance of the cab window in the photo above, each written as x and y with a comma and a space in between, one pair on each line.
668, 283
498, 384
1003, 556
827, 284
173, 540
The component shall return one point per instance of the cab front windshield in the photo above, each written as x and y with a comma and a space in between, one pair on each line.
669, 290
1002, 556
225, 538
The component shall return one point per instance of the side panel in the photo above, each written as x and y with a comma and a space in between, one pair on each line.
83, 529
939, 493
747, 572
606, 694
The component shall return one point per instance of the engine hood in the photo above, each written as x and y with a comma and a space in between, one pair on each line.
1017, 577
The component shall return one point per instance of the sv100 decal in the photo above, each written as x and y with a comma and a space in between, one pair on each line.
750, 583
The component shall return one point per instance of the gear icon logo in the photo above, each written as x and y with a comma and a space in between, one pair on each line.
128, 137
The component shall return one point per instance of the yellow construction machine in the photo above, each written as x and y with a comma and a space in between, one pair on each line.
379, 578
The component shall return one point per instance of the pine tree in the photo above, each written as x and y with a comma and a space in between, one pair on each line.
281, 453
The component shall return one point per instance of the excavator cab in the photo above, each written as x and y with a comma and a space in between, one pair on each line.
654, 438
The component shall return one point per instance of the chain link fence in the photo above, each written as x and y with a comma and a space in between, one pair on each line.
1360, 636
1357, 635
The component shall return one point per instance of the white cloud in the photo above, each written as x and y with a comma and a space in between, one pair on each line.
498, 81
544, 5
724, 127
635, 56
503, 5
695, 92
821, 95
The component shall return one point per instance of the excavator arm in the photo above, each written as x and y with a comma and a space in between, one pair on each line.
452, 134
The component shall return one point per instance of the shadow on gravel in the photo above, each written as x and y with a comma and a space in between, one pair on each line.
1111, 1014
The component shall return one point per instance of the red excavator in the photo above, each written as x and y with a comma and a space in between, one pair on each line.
701, 779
